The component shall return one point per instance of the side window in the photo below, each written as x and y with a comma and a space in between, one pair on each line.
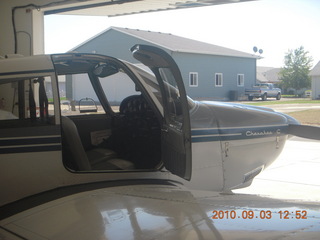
240, 80
193, 79
218, 80
7, 110
26, 102
173, 97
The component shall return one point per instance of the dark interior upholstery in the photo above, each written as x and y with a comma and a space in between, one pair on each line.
141, 130
95, 159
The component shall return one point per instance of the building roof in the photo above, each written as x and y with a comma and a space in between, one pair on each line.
178, 44
261, 78
316, 70
268, 74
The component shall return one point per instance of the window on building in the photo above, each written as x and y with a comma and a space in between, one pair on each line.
218, 80
193, 79
240, 80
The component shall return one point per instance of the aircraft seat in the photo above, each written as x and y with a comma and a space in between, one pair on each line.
95, 159
140, 131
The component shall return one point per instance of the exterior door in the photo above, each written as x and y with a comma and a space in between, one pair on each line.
176, 133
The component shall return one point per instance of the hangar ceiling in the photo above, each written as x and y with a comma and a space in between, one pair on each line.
124, 7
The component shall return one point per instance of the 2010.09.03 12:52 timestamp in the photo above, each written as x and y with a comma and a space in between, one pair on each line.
259, 214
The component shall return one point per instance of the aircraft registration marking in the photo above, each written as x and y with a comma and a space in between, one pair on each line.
226, 134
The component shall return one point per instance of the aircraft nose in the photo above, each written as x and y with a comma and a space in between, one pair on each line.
290, 120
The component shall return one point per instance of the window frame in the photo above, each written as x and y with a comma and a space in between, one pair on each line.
241, 84
196, 79
221, 79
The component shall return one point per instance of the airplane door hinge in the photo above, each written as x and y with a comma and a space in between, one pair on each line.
277, 142
226, 149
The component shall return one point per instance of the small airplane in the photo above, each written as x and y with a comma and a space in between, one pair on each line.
156, 163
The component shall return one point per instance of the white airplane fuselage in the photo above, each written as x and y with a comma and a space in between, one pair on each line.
230, 143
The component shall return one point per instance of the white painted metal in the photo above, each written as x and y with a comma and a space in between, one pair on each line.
164, 212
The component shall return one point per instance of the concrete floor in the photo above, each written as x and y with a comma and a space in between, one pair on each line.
294, 175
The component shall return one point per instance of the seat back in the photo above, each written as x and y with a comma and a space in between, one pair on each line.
77, 152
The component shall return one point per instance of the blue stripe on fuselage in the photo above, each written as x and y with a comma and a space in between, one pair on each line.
239, 133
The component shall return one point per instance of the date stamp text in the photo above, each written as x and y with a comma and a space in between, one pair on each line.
261, 214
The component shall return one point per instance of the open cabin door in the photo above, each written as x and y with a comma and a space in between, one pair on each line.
176, 133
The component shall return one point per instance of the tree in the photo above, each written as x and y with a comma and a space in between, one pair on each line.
295, 73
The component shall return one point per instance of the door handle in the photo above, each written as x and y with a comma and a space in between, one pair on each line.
164, 130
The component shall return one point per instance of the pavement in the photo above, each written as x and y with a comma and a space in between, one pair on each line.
294, 175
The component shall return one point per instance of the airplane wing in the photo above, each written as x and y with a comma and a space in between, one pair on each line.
125, 7
162, 211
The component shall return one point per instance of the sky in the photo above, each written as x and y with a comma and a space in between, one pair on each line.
275, 26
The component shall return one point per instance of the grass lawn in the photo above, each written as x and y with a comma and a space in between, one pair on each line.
308, 117
274, 102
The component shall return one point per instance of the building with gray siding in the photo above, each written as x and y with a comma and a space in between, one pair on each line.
210, 72
315, 81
